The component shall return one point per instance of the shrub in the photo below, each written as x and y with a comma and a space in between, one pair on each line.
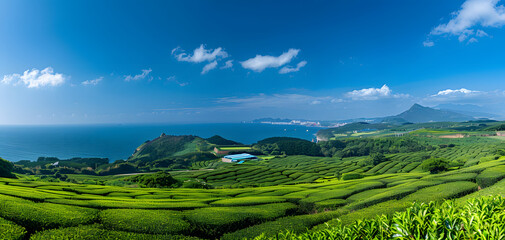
9, 230
378, 158
121, 168
37, 216
6, 168
477, 219
350, 176
137, 204
307, 204
490, 176
214, 221
443, 191
435, 165
144, 221
94, 232
329, 204
454, 177
247, 201
295, 224
160, 179
395, 192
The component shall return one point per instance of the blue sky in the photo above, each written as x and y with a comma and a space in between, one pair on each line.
75, 62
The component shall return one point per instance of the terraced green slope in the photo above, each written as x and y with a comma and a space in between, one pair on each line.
265, 197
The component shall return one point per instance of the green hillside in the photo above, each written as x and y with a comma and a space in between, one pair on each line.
218, 140
166, 146
363, 182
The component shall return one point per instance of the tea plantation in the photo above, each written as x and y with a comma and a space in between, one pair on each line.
293, 197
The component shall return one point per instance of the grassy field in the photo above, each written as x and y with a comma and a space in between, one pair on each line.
234, 148
293, 193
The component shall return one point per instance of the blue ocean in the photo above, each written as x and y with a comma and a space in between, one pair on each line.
119, 141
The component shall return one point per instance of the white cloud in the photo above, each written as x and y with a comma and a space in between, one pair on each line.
274, 100
464, 95
259, 63
227, 64
473, 14
209, 67
374, 93
92, 82
337, 100
174, 79
481, 33
199, 55
428, 43
473, 40
145, 74
461, 92
35, 78
288, 69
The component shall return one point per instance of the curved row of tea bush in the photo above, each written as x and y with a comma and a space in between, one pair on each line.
95, 232
9, 230
482, 218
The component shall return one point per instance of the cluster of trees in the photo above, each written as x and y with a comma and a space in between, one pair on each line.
160, 179
288, 146
367, 146
163, 179
53, 165
435, 165
6, 168
357, 126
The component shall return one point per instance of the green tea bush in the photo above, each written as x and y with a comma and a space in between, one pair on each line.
490, 176
307, 204
36, 216
248, 201
214, 221
409, 167
395, 192
28, 193
138, 204
443, 191
352, 175
295, 224
453, 177
94, 232
477, 219
329, 204
144, 221
11, 231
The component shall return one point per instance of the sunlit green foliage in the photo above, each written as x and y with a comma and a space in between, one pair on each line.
95, 232
6, 168
144, 221
11, 231
36, 216
478, 219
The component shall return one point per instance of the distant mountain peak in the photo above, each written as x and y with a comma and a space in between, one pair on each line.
418, 113
417, 106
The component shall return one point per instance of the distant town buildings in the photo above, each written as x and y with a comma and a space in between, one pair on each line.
303, 123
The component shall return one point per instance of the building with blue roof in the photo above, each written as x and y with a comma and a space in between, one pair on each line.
238, 157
